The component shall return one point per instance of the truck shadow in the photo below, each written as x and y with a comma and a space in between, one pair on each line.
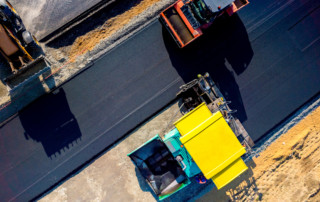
224, 51
235, 190
51, 123
144, 185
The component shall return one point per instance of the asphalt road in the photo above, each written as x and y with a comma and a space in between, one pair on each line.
266, 61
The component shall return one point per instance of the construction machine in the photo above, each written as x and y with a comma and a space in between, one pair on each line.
207, 143
16, 43
186, 20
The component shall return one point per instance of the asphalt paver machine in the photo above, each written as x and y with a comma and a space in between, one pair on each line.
206, 141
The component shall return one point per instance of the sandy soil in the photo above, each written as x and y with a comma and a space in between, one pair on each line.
116, 23
288, 170
91, 39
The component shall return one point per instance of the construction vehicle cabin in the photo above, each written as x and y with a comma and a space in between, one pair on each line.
207, 142
16, 42
186, 19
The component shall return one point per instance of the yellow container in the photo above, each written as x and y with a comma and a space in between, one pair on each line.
229, 173
212, 145
192, 119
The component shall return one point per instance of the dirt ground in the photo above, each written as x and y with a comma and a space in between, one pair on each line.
288, 170
91, 39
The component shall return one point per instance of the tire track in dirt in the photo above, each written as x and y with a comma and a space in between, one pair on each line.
289, 169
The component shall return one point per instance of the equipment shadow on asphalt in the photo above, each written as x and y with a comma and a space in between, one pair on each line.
224, 51
51, 123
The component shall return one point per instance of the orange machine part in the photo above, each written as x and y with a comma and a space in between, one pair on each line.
173, 31
195, 32
6, 44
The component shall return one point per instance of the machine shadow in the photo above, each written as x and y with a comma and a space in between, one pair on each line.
224, 51
143, 184
51, 122
234, 191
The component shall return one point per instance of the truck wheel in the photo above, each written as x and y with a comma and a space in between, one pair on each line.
179, 26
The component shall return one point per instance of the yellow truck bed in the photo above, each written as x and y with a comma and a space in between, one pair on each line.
212, 145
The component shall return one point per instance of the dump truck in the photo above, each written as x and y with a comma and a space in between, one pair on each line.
206, 142
186, 20
15, 45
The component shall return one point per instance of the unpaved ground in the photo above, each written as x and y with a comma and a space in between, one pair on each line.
91, 39
288, 170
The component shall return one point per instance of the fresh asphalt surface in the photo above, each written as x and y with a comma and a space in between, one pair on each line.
266, 60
